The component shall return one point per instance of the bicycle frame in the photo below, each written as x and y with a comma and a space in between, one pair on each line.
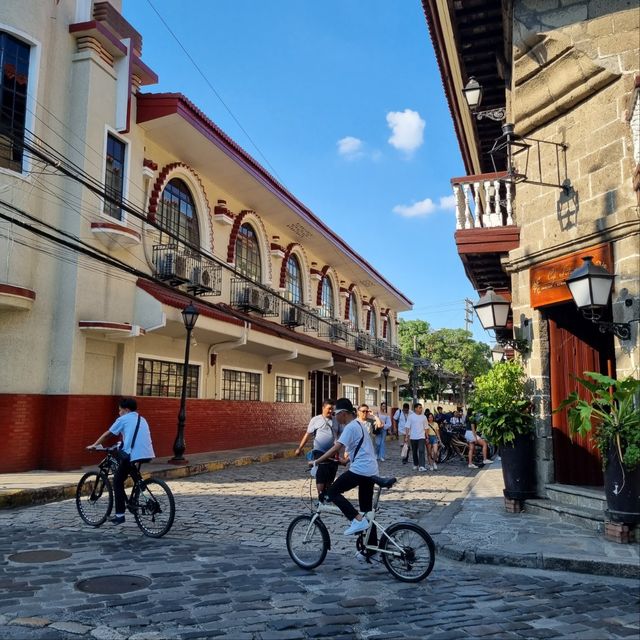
331, 509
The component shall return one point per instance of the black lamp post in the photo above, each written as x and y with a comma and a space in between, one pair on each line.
493, 313
190, 317
385, 373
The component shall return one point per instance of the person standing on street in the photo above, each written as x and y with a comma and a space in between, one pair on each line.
381, 436
400, 418
136, 442
324, 435
415, 434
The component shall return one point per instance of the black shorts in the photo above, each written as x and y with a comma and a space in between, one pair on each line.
326, 470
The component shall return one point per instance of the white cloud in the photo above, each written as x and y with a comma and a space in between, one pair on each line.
407, 129
425, 207
448, 202
350, 147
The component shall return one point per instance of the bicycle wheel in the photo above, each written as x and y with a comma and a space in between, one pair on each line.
411, 552
307, 542
153, 507
94, 498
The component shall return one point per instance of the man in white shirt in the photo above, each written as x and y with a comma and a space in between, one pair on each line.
415, 434
324, 436
400, 418
363, 465
136, 441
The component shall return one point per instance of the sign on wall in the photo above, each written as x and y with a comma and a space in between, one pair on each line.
547, 280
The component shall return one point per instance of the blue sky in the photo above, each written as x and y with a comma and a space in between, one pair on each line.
344, 100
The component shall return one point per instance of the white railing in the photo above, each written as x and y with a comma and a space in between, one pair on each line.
483, 200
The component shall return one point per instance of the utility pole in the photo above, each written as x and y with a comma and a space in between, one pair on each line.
468, 314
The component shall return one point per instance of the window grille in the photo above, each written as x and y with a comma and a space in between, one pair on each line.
164, 379
351, 392
327, 306
294, 280
248, 261
178, 214
371, 397
240, 385
288, 389
354, 321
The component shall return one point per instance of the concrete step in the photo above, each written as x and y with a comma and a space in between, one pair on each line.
591, 519
584, 497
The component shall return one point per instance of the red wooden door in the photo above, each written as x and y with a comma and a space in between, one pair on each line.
575, 346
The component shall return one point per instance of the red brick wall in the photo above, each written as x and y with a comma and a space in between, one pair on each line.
51, 432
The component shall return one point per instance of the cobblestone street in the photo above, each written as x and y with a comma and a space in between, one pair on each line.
224, 571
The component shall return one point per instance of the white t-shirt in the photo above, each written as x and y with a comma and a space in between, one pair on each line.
364, 463
323, 433
401, 419
385, 419
126, 425
416, 425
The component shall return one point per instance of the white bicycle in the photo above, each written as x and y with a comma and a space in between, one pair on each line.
406, 549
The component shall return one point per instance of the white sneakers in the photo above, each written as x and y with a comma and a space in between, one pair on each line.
381, 459
421, 468
357, 526
487, 461
415, 468
472, 466
435, 467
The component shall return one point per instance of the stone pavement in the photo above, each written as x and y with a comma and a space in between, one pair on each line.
223, 570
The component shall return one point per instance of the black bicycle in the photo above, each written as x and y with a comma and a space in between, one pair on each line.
150, 501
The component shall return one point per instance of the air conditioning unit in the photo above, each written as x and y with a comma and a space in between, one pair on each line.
362, 343
202, 278
337, 332
181, 267
165, 263
292, 317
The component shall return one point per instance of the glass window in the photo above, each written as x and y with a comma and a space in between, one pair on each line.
351, 392
371, 397
240, 385
178, 214
327, 308
288, 389
294, 280
373, 323
353, 311
248, 254
14, 66
114, 175
160, 378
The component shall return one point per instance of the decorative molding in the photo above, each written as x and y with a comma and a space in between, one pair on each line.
114, 235
221, 214
16, 298
248, 216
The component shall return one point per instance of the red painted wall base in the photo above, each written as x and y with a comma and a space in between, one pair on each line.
51, 432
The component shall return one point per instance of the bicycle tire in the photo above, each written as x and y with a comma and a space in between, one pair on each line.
418, 553
153, 507
317, 542
94, 498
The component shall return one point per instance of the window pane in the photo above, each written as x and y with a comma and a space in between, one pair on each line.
373, 326
371, 397
240, 385
114, 176
326, 302
351, 392
288, 389
353, 311
14, 66
160, 378
248, 253
178, 214
294, 280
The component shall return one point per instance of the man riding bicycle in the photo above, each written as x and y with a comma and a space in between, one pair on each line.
136, 442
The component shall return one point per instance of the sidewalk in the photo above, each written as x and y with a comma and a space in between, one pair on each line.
479, 530
475, 528
40, 487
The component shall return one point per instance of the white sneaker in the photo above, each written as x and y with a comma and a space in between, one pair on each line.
472, 466
356, 526
381, 459
421, 469
435, 466
487, 461
415, 468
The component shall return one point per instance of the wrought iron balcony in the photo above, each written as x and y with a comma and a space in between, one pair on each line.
335, 330
363, 342
292, 316
483, 200
178, 267
248, 296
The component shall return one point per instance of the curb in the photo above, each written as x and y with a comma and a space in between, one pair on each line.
44, 495
538, 561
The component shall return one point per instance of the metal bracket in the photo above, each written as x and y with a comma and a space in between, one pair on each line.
498, 114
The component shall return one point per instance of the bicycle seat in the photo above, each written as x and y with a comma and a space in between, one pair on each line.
385, 483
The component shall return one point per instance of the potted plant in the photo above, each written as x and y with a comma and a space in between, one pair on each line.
503, 410
610, 412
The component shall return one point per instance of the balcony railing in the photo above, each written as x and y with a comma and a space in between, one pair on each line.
176, 266
484, 200
248, 296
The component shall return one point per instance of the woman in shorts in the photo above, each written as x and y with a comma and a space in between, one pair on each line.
432, 432
474, 439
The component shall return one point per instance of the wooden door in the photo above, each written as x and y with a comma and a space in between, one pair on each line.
323, 386
575, 346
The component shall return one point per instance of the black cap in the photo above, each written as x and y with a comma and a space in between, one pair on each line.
343, 404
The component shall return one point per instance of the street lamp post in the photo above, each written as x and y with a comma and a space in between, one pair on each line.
385, 373
190, 317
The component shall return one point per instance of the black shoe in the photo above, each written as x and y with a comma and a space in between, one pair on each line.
117, 520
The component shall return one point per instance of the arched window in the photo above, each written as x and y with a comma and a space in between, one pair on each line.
373, 323
248, 253
353, 311
178, 214
294, 280
327, 306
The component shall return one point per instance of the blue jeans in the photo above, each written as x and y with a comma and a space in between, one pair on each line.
380, 443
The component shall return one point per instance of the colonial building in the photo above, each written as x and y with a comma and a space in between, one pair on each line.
158, 208
561, 184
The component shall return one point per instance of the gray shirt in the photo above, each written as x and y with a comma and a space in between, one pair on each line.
323, 432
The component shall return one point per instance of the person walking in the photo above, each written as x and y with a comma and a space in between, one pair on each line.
415, 435
381, 436
433, 437
400, 418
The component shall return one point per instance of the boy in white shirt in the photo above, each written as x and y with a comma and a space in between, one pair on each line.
415, 434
